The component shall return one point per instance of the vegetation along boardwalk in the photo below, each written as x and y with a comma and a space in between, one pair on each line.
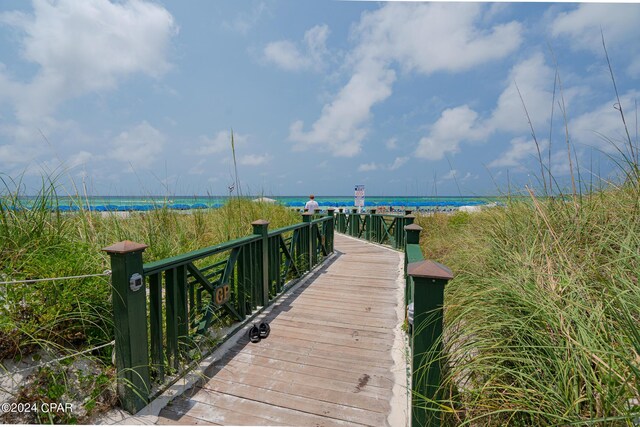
335, 354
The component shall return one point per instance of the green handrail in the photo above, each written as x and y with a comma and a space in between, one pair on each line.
187, 293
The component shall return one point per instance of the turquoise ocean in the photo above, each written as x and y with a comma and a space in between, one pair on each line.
146, 203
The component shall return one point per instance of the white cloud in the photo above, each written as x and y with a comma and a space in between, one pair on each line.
603, 127
80, 158
520, 149
219, 143
454, 126
452, 174
532, 77
398, 163
82, 47
392, 143
286, 54
244, 22
254, 159
339, 129
418, 37
367, 167
139, 146
16, 154
618, 22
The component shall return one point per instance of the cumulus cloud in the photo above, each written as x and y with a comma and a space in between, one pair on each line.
242, 23
531, 77
82, 47
534, 79
398, 163
286, 54
422, 38
582, 25
220, 143
520, 150
367, 167
254, 159
454, 126
138, 147
392, 143
602, 127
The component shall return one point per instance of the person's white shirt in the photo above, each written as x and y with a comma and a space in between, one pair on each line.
311, 206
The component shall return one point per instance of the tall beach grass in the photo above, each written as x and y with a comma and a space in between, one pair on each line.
542, 319
62, 317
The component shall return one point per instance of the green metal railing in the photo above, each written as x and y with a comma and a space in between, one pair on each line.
190, 293
424, 288
385, 229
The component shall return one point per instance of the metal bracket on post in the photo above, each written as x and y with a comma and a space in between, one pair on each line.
129, 300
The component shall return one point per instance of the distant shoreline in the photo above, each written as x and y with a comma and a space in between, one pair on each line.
187, 203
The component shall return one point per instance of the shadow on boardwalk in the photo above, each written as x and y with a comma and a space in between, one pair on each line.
329, 359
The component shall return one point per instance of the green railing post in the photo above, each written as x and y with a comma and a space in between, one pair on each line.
412, 253
369, 220
328, 236
129, 299
261, 228
354, 223
400, 230
429, 280
306, 218
341, 221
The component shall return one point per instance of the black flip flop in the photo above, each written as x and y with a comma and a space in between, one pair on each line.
264, 329
254, 334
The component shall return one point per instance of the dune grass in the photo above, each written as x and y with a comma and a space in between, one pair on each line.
65, 316
542, 319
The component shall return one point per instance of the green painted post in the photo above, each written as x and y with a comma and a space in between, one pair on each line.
354, 223
129, 299
328, 236
429, 278
400, 231
370, 218
412, 253
341, 221
261, 228
306, 218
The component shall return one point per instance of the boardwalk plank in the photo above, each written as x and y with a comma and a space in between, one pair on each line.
328, 360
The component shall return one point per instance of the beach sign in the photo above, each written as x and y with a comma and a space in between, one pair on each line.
359, 197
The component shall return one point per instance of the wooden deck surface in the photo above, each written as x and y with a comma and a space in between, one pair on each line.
329, 360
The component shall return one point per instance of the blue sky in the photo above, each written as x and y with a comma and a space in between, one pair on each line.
139, 97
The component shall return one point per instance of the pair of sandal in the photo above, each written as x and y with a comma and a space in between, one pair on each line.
256, 333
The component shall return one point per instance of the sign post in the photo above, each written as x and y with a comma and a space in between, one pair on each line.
359, 197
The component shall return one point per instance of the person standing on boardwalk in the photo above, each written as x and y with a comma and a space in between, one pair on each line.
311, 205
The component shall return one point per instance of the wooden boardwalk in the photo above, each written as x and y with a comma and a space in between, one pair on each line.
335, 355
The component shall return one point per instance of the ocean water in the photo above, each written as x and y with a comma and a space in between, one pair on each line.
146, 203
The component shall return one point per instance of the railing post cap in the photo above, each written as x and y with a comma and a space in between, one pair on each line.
428, 269
413, 227
409, 216
125, 247
260, 222
331, 209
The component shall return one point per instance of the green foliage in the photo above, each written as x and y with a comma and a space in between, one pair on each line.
37, 241
541, 317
